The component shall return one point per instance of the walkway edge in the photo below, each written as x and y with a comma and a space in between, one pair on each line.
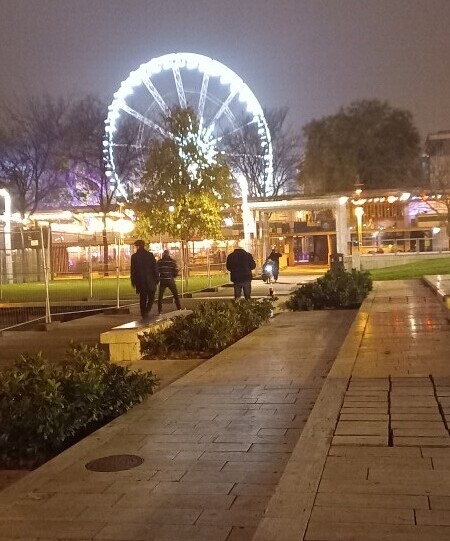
81, 449
289, 509
440, 284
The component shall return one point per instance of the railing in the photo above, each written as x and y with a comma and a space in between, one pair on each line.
35, 287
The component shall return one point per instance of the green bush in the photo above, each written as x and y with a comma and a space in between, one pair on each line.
336, 289
44, 406
210, 328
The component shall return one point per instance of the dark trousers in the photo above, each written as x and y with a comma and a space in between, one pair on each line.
275, 271
146, 299
173, 289
245, 287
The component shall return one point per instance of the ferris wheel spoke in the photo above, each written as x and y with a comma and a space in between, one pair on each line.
126, 145
202, 98
235, 130
179, 85
223, 109
156, 95
144, 120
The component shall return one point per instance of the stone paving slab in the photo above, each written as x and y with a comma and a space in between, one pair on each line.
221, 442
215, 444
382, 460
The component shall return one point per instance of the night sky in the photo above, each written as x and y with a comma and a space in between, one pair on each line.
313, 56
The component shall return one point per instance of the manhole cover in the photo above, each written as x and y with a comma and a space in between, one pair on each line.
114, 463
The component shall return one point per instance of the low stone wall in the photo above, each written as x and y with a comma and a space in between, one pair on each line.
380, 261
123, 341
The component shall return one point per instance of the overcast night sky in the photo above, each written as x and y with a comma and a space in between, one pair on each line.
313, 56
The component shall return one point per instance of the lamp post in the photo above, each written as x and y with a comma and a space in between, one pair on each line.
7, 234
359, 212
121, 228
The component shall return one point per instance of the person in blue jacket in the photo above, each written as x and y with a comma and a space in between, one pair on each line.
168, 271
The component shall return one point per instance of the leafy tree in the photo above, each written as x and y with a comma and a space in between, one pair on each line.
244, 155
31, 146
369, 142
87, 181
185, 184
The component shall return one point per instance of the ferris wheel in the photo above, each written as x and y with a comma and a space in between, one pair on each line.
224, 104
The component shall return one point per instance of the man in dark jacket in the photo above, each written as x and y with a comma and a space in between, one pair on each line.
168, 270
240, 264
144, 276
275, 257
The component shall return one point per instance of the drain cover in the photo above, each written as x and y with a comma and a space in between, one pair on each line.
114, 463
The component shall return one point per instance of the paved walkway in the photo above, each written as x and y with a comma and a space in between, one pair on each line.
231, 451
373, 462
214, 444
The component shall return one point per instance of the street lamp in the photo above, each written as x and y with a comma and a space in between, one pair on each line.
7, 233
359, 212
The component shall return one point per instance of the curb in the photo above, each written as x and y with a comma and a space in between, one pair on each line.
439, 284
287, 515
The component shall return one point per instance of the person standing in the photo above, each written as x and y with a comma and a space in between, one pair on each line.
240, 264
144, 277
168, 271
275, 257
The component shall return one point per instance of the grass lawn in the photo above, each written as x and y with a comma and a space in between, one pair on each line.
103, 289
413, 270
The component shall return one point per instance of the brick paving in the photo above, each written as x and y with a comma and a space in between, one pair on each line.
233, 451
384, 473
215, 444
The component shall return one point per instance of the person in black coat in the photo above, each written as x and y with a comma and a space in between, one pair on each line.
240, 264
168, 270
144, 276
275, 257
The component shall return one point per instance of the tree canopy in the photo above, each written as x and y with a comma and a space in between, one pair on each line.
244, 155
186, 183
368, 142
32, 135
87, 179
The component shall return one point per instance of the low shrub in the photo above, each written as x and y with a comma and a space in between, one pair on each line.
210, 328
336, 289
44, 406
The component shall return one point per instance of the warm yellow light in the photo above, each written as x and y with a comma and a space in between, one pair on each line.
123, 227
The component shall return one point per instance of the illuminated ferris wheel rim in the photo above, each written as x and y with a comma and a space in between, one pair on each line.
175, 62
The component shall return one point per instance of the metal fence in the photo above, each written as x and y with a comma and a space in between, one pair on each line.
45, 274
